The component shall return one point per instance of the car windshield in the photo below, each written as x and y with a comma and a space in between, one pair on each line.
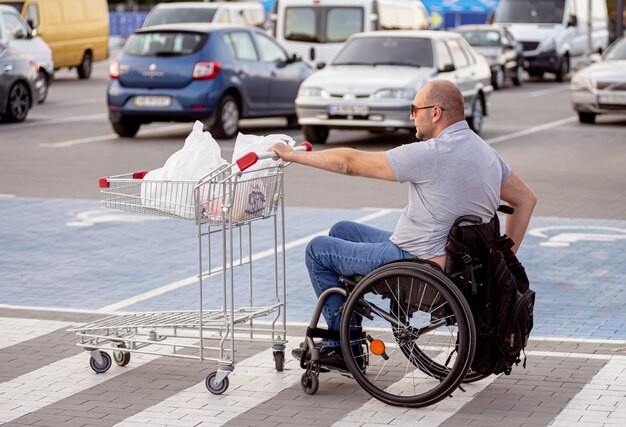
320, 24
165, 43
482, 38
16, 4
617, 52
530, 11
405, 51
177, 16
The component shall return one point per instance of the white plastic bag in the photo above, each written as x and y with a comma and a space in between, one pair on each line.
251, 198
199, 156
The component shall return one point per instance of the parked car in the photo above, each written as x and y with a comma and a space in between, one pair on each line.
317, 30
18, 84
554, 33
77, 31
601, 87
210, 72
503, 53
371, 82
16, 33
238, 13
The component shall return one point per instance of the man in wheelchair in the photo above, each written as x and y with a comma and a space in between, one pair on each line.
452, 172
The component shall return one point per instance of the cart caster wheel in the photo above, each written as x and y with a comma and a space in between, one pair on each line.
121, 358
279, 360
309, 382
213, 386
100, 368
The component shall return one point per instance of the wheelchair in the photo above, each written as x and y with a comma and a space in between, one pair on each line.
407, 332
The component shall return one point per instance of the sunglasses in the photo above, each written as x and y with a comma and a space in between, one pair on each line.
415, 109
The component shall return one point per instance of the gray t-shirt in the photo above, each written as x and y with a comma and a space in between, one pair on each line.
452, 175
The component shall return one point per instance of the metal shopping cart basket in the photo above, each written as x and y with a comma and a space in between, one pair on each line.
224, 204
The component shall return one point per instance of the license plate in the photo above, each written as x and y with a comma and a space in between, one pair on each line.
348, 110
613, 98
153, 101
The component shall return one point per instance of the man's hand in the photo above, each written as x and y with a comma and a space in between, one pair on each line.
284, 151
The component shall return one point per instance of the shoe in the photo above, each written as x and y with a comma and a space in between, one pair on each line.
332, 357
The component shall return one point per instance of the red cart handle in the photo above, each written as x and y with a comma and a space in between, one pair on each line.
249, 159
104, 181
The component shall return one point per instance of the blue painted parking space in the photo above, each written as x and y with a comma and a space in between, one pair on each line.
76, 254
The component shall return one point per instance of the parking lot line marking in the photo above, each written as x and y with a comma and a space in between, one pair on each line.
531, 130
8, 196
242, 395
15, 330
58, 120
107, 137
257, 256
542, 92
59, 380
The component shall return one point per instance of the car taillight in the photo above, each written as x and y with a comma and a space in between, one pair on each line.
206, 70
114, 69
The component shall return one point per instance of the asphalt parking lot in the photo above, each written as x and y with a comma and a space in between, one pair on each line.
65, 260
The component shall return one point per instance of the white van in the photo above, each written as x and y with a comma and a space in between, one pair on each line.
15, 33
239, 13
554, 32
316, 29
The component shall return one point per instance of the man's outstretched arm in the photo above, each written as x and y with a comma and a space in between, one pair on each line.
347, 161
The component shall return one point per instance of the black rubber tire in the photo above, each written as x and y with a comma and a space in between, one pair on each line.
292, 122
104, 366
121, 358
279, 360
315, 134
445, 382
85, 67
18, 103
584, 117
472, 377
213, 387
497, 79
43, 90
126, 128
309, 382
475, 121
226, 123
561, 74
518, 79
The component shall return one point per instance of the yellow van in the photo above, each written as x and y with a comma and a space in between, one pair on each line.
77, 31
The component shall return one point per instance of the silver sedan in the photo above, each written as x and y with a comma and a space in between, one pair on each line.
601, 87
18, 84
372, 80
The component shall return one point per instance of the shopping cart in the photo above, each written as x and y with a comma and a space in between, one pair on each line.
224, 204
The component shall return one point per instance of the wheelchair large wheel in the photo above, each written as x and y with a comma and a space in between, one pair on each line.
420, 333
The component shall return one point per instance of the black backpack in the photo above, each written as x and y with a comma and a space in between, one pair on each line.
481, 263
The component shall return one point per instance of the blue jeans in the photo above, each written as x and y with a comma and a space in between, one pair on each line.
350, 249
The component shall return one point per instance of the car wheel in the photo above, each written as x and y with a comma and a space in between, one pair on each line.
84, 69
227, 120
563, 69
586, 117
476, 120
497, 79
127, 128
292, 122
43, 81
519, 76
18, 103
315, 134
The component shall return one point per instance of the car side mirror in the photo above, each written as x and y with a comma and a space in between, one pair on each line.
321, 65
573, 21
448, 68
31, 24
296, 57
20, 34
595, 57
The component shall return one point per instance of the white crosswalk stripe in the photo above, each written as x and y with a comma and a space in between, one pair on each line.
41, 387
253, 382
16, 330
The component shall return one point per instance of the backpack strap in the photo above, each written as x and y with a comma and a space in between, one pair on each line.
461, 252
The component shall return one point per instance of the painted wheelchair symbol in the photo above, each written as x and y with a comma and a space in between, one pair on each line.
568, 234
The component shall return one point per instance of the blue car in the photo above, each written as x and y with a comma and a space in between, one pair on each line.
209, 72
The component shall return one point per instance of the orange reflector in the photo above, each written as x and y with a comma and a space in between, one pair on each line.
377, 347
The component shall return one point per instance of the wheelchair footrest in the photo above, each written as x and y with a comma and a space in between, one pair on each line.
355, 334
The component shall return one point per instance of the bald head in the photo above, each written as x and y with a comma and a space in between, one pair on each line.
447, 95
